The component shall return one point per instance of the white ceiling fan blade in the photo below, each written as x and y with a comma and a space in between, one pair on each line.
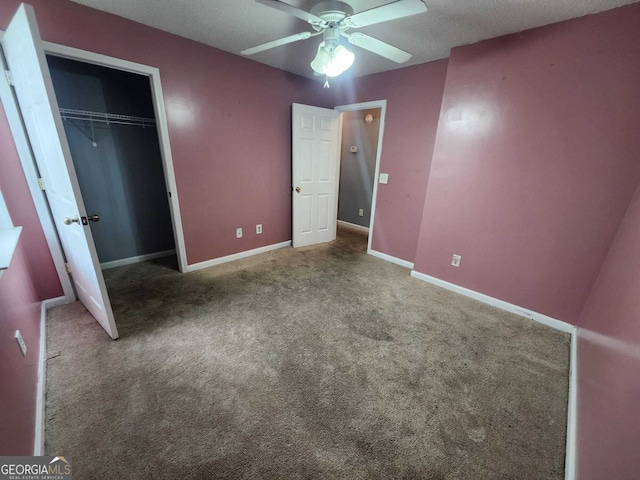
391, 11
378, 47
296, 12
277, 43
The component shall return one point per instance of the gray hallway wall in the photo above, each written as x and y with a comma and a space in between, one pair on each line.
121, 178
357, 170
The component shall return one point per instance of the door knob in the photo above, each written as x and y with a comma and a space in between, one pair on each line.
69, 221
94, 218
298, 189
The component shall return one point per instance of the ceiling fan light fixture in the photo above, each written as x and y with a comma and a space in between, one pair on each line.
320, 62
340, 61
332, 63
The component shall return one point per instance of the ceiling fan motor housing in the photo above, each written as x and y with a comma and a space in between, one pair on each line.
332, 11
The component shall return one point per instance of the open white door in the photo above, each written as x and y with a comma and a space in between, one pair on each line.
32, 82
316, 169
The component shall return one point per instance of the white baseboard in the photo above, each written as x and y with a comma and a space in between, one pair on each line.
57, 301
236, 256
137, 259
38, 441
354, 226
389, 258
501, 304
572, 411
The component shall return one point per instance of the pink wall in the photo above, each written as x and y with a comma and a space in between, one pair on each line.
535, 161
19, 309
30, 279
609, 362
229, 124
413, 97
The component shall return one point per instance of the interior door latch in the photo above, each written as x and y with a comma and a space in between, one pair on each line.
91, 218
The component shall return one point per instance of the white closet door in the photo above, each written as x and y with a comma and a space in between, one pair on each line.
32, 82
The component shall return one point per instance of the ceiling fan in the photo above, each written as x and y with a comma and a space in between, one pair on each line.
332, 19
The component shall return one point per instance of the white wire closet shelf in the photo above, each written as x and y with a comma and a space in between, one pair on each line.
71, 114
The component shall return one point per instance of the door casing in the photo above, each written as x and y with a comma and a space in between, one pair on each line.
382, 105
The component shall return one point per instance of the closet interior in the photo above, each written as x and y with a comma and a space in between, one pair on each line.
110, 125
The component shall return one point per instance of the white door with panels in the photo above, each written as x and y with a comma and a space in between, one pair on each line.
316, 170
37, 101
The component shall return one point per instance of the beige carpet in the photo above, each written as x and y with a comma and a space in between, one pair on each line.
351, 239
316, 363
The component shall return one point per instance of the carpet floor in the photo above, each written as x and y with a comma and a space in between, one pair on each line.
312, 363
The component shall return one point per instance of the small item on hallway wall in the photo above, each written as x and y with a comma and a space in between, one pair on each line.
368, 118
353, 149
384, 178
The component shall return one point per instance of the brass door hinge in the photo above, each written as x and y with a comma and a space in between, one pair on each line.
41, 184
67, 268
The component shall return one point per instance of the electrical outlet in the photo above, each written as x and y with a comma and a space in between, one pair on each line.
259, 228
21, 344
384, 178
361, 212
238, 233
455, 261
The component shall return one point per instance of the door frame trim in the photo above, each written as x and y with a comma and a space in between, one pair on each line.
161, 123
382, 105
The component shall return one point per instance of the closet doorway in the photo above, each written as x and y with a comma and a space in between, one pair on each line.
109, 121
362, 129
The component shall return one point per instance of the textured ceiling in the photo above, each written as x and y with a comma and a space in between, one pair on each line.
234, 25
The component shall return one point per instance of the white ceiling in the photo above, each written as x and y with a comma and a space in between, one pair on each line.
234, 25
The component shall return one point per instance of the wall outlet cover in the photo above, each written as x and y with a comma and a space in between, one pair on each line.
455, 261
259, 228
238, 233
384, 178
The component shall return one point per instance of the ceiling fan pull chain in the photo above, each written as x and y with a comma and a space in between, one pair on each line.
326, 81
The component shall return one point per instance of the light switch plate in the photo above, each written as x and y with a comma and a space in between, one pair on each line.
384, 178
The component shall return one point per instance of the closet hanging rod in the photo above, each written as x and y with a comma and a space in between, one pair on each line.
71, 114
